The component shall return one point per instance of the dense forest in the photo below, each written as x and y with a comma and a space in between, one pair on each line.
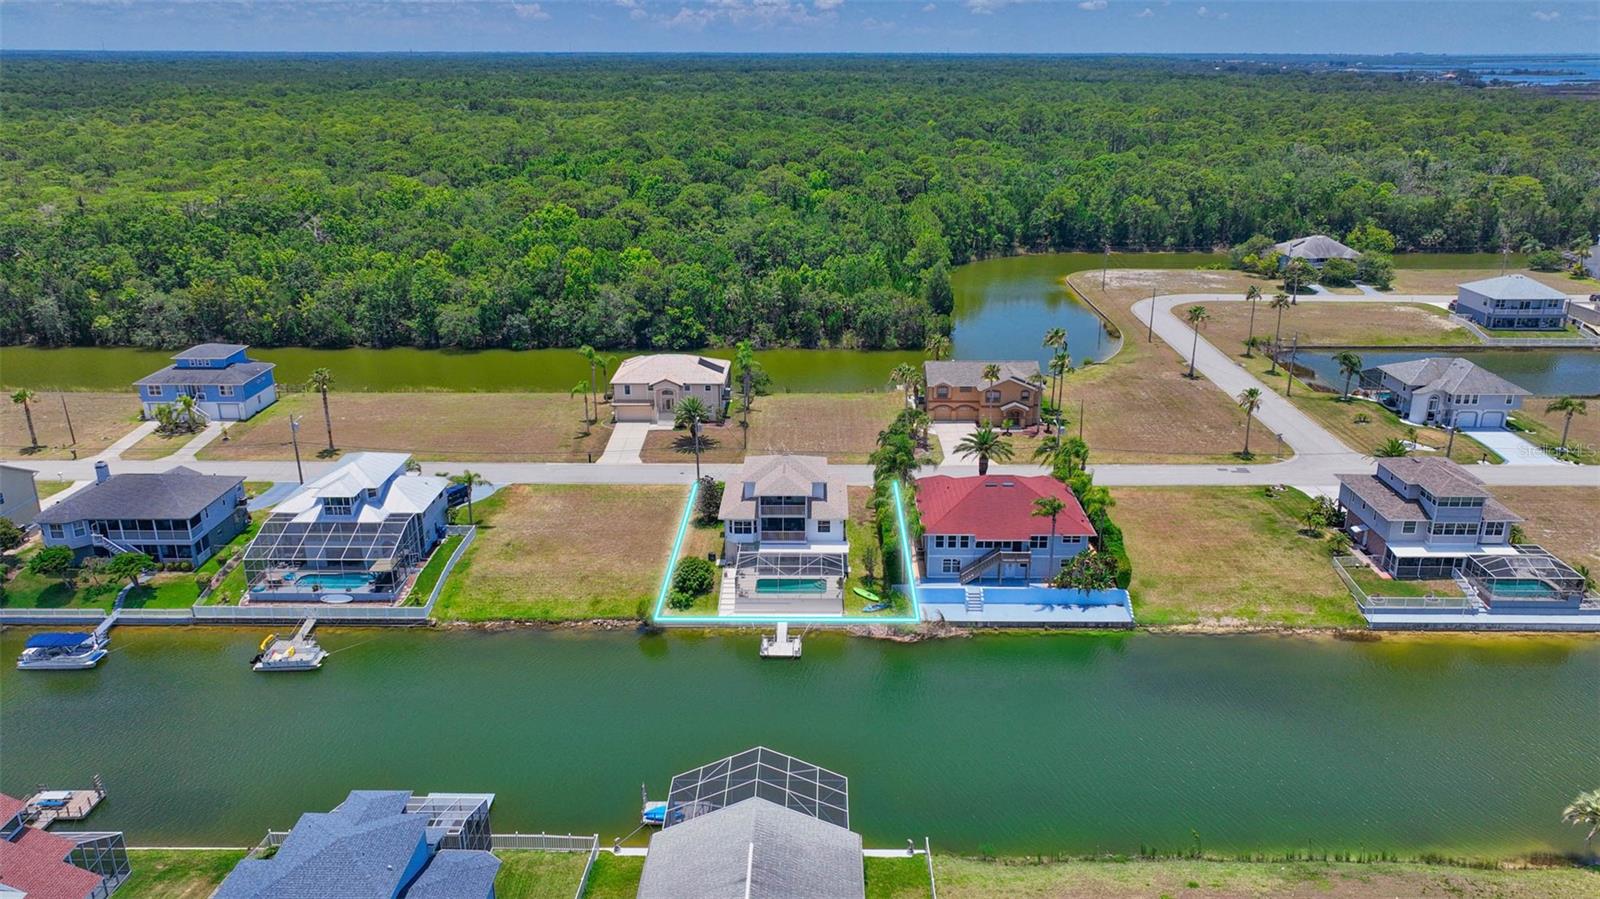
677, 202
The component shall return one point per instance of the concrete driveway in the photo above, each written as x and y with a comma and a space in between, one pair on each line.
627, 440
1511, 446
950, 433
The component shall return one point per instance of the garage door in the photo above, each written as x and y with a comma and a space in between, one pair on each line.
1492, 420
1466, 419
228, 411
634, 412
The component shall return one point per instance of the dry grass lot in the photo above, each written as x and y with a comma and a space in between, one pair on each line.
1336, 324
1561, 519
465, 427
98, 419
1227, 555
961, 878
553, 552
1139, 406
842, 426
1583, 438
1444, 282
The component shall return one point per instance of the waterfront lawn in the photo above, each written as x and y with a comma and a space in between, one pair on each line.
1374, 584
552, 552
841, 426
462, 427
1337, 324
1544, 429
966, 878
1139, 406
1560, 519
177, 873
897, 878
98, 420
1228, 556
529, 874
433, 570
699, 541
862, 533
614, 877
1443, 282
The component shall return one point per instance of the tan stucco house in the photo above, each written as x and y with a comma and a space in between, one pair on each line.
648, 388
958, 391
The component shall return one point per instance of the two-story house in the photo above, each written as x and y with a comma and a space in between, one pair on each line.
959, 391
983, 529
226, 384
783, 525
179, 515
1512, 302
361, 530
1445, 391
1422, 518
649, 388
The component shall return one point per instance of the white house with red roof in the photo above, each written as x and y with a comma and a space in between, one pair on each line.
37, 864
983, 529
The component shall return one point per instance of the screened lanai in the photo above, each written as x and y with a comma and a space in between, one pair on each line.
1529, 577
760, 773
297, 557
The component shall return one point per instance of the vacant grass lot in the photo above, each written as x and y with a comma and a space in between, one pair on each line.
614, 877
1561, 519
526, 874
1336, 324
157, 446
177, 873
464, 427
553, 552
98, 420
962, 878
1583, 438
1443, 282
1139, 406
1228, 556
842, 426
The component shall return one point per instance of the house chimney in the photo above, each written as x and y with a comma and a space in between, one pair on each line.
102, 472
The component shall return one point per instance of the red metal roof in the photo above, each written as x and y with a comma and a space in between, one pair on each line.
996, 507
35, 863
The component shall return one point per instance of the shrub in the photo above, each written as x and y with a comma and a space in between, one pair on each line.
1545, 261
694, 577
51, 561
709, 500
1338, 273
11, 536
1089, 571
680, 601
1375, 269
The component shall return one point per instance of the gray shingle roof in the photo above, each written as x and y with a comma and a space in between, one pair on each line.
236, 374
456, 874
1451, 374
1514, 287
1441, 477
175, 493
756, 849
969, 373
360, 850
1384, 501
210, 351
1315, 246
786, 475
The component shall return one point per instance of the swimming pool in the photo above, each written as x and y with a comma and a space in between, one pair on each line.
790, 585
332, 580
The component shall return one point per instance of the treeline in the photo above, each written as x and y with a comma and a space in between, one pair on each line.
681, 202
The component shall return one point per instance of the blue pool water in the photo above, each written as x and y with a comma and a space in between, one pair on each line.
342, 580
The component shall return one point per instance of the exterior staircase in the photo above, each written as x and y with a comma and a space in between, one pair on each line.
991, 559
1474, 601
729, 591
105, 542
974, 599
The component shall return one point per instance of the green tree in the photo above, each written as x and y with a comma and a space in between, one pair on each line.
937, 347
1568, 406
1584, 811
1349, 366
52, 561
1251, 296
691, 413
1249, 400
593, 359
128, 566
1195, 315
582, 387
471, 480
321, 381
750, 376
1393, 448
11, 536
984, 443
24, 397
694, 576
1280, 302
1049, 507
1296, 275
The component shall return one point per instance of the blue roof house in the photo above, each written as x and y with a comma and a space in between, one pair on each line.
228, 385
378, 844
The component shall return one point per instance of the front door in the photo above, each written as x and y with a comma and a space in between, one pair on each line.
666, 399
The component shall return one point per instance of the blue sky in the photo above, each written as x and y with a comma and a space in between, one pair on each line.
986, 26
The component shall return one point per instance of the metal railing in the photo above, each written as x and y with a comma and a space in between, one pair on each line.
1577, 340
783, 536
1365, 601
544, 842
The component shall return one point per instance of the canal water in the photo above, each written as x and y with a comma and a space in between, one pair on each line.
1574, 372
1011, 744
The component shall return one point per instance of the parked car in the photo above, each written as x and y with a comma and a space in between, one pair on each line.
456, 495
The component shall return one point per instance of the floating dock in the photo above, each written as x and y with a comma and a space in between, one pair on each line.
780, 645
298, 653
46, 807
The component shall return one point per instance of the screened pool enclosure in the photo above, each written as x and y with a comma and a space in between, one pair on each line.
760, 773
368, 560
1530, 578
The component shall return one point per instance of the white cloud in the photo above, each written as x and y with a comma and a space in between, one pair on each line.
930, 7
1547, 16
1205, 13
532, 11
752, 13
988, 7
1145, 13
826, 5
1092, 5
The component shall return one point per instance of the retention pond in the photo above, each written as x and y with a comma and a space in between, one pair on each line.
1075, 743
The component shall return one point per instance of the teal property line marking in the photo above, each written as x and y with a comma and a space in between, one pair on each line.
677, 547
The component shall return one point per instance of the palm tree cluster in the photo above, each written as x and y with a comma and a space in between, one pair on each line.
985, 443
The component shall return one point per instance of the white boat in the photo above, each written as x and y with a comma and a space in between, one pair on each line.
298, 653
59, 651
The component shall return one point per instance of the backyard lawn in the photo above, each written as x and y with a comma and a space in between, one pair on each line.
964, 878
842, 426
1228, 556
552, 552
897, 878
527, 874
614, 877
1561, 519
1336, 324
465, 427
177, 873
98, 420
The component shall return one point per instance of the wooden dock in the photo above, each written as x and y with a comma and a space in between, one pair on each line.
46, 807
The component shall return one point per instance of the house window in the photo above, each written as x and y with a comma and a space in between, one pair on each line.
336, 505
741, 527
79, 529
153, 390
950, 566
938, 541
1409, 527
57, 532
1071, 539
1026, 395
224, 390
1038, 542
991, 396
824, 527
1494, 528
966, 541
627, 390
942, 392
1453, 528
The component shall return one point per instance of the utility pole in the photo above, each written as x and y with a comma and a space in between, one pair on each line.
1080, 418
71, 435
1150, 329
1105, 266
294, 437
1288, 384
1451, 443
694, 429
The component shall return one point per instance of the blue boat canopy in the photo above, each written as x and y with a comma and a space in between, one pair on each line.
45, 641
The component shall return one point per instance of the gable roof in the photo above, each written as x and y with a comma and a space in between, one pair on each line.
36, 862
398, 492
969, 372
175, 493
1450, 374
786, 475
364, 848
234, 375
756, 849
1514, 287
1315, 246
679, 368
210, 351
996, 507
456, 874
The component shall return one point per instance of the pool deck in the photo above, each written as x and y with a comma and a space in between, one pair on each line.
1021, 615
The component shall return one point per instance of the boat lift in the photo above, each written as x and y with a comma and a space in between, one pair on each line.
298, 653
780, 645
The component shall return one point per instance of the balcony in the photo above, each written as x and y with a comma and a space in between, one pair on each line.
781, 510
783, 536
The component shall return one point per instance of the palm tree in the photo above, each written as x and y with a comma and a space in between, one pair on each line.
1194, 316
1584, 812
1251, 296
24, 397
1280, 302
606, 362
1295, 276
189, 411
583, 388
691, 413
593, 358
1249, 400
1568, 406
1056, 338
985, 443
1069, 453
903, 375
1049, 507
937, 346
744, 358
321, 381
1393, 448
1349, 366
1060, 367
471, 479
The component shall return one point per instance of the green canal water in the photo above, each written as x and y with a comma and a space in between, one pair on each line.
1014, 744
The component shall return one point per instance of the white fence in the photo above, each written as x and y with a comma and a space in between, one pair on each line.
1365, 601
1579, 340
